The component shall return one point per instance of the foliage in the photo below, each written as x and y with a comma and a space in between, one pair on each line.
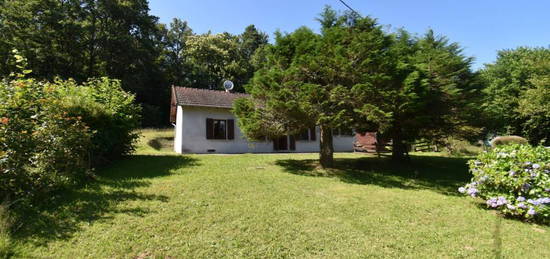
461, 148
507, 140
51, 133
214, 57
86, 39
122, 40
514, 179
308, 79
109, 111
429, 85
6, 245
517, 94
42, 146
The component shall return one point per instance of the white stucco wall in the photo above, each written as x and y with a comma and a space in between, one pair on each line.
179, 131
191, 135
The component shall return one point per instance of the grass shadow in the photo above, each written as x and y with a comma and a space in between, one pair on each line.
161, 143
441, 174
69, 209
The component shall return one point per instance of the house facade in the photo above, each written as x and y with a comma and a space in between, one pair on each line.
205, 124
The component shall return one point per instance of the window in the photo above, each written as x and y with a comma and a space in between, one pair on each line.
342, 132
220, 129
307, 135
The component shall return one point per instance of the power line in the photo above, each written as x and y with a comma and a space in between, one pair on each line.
349, 7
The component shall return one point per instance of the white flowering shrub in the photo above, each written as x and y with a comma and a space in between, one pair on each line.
514, 179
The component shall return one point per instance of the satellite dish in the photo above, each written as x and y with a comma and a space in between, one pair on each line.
228, 85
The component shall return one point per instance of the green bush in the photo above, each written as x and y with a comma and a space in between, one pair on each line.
514, 179
52, 133
42, 146
110, 112
507, 140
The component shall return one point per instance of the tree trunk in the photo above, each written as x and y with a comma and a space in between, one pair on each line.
398, 148
327, 150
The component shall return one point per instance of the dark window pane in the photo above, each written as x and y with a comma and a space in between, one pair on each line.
220, 127
304, 135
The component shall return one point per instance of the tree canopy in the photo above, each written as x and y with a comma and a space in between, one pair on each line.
517, 93
355, 75
120, 39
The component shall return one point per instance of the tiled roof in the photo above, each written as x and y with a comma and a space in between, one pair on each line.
203, 97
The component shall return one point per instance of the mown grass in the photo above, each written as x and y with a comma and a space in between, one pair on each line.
156, 204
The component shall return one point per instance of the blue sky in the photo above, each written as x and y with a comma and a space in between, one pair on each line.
481, 26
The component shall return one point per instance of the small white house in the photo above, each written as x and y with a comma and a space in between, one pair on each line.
205, 124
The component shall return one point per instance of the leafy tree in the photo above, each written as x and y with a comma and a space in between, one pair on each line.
249, 41
84, 39
214, 58
430, 79
177, 66
516, 91
310, 79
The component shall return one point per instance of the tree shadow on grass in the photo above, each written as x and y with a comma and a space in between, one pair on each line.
162, 143
69, 209
441, 174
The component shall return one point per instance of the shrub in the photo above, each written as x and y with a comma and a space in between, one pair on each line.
514, 179
51, 134
507, 140
109, 111
42, 146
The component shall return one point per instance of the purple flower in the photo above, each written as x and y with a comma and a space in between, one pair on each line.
512, 173
472, 191
511, 207
462, 190
536, 166
492, 202
531, 211
522, 205
547, 189
501, 201
545, 200
533, 175
520, 198
528, 163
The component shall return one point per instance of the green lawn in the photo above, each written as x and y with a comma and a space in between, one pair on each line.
157, 204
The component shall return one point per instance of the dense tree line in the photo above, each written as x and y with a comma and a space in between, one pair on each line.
82, 39
516, 94
351, 74
355, 75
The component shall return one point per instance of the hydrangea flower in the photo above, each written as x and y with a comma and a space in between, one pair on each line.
534, 202
462, 190
520, 198
531, 211
522, 205
472, 191
536, 166
545, 200
511, 207
512, 173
